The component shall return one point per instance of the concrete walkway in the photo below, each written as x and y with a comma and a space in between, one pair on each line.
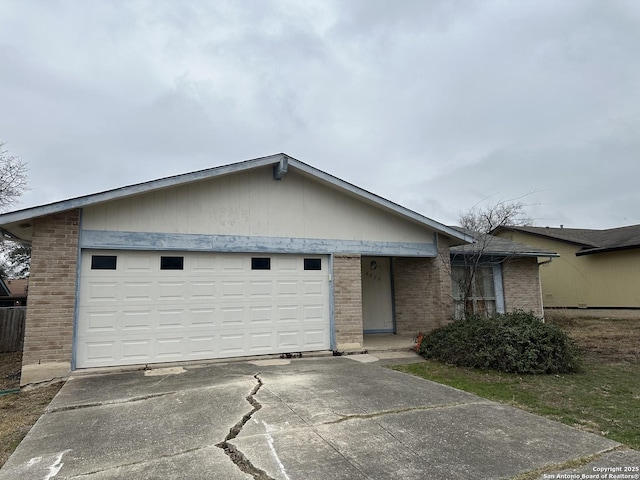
317, 418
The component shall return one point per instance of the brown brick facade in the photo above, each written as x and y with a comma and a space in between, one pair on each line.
521, 282
347, 294
48, 341
422, 288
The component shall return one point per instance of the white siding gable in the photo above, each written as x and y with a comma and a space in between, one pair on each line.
251, 203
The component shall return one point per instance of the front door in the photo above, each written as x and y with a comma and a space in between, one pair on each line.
377, 300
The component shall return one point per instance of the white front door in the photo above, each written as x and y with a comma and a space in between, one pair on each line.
377, 302
138, 307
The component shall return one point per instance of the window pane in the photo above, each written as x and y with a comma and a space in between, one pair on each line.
459, 282
313, 264
484, 283
260, 263
458, 310
171, 263
103, 262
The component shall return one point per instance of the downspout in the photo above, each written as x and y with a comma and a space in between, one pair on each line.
546, 262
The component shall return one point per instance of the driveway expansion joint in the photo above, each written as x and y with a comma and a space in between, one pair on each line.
236, 456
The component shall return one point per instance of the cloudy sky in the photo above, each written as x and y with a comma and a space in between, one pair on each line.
436, 105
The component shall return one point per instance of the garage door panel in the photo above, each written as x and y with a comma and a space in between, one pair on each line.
171, 319
287, 313
233, 289
261, 288
232, 344
102, 321
314, 313
102, 292
261, 315
232, 316
137, 320
202, 291
232, 263
287, 288
170, 348
215, 307
134, 351
201, 346
315, 337
202, 317
261, 342
288, 339
136, 292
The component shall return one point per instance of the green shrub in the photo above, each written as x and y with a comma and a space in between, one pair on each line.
516, 342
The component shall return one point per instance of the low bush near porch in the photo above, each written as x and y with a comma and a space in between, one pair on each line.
517, 342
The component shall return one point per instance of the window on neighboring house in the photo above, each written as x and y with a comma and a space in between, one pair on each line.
473, 291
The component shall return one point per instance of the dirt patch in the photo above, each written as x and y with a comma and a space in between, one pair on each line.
610, 340
18, 413
10, 366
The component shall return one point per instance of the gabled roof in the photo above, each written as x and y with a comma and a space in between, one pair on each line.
592, 241
17, 222
490, 245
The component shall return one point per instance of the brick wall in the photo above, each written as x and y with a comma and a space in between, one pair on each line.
422, 288
522, 285
52, 291
347, 291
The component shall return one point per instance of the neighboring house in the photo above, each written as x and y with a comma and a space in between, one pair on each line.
597, 269
13, 292
496, 275
267, 256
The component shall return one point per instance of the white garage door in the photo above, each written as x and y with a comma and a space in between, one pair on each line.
149, 307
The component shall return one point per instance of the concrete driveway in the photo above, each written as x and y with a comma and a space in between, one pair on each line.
309, 418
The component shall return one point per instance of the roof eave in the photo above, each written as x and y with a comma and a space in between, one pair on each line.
540, 234
135, 189
381, 201
594, 251
176, 180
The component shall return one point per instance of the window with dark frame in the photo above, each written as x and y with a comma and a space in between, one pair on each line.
313, 264
260, 263
171, 263
103, 262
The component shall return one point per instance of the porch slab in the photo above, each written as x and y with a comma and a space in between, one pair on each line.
388, 342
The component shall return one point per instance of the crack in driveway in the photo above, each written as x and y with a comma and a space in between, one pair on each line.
107, 402
236, 456
344, 418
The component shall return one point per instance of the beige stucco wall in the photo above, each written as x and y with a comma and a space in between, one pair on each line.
252, 203
590, 281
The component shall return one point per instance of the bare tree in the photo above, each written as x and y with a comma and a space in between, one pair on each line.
471, 266
13, 178
14, 257
485, 219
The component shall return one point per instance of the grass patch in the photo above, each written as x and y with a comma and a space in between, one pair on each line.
18, 413
602, 398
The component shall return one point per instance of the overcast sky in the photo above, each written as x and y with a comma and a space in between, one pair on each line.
436, 105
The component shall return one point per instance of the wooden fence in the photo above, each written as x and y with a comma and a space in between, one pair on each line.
12, 328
